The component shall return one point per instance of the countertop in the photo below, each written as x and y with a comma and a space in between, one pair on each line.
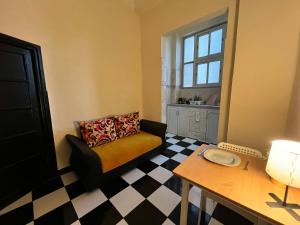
217, 107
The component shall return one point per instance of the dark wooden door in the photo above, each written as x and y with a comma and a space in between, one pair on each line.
26, 142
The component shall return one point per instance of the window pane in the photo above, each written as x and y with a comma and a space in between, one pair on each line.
214, 72
189, 49
188, 71
203, 45
216, 41
201, 73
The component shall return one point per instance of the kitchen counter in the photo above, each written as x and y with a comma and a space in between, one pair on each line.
217, 107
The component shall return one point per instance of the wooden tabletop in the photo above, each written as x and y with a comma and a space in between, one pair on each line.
246, 188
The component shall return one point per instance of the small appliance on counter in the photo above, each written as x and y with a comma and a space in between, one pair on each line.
182, 101
197, 100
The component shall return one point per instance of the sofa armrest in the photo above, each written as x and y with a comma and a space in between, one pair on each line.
156, 128
84, 159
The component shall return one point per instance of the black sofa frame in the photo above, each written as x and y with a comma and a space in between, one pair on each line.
87, 164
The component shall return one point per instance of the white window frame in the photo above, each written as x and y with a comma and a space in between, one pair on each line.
206, 59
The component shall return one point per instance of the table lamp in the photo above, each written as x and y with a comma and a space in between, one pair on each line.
284, 165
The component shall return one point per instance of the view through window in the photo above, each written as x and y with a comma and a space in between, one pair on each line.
203, 54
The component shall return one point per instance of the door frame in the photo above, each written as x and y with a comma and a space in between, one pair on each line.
38, 73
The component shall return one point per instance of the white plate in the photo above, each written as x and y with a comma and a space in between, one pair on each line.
222, 157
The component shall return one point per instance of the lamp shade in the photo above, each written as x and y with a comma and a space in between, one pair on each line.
284, 162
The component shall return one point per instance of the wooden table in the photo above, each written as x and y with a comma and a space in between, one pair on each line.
246, 189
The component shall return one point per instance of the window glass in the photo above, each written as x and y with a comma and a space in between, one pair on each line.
189, 49
216, 42
203, 45
201, 73
188, 71
202, 57
214, 72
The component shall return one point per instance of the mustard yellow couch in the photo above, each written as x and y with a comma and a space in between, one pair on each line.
99, 164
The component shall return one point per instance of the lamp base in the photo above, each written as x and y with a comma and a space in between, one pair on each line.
281, 204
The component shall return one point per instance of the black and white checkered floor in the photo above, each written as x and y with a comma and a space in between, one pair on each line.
148, 194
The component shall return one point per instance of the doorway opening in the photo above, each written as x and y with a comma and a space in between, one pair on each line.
192, 68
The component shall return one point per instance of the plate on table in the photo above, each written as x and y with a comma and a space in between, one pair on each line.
222, 157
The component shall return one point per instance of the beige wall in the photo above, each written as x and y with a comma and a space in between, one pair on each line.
293, 120
91, 54
169, 16
265, 65
264, 69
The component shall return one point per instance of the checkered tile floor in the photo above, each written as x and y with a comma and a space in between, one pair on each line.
146, 195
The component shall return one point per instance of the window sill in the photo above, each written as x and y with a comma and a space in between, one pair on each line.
204, 86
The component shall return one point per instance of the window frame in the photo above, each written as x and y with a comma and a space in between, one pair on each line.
205, 59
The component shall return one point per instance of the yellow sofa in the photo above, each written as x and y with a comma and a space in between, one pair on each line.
121, 151
98, 164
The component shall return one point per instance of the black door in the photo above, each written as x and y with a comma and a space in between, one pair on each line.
26, 142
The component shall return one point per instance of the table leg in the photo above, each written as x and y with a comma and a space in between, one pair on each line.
184, 202
202, 205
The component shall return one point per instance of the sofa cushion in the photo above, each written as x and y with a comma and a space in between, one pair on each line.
127, 125
121, 151
98, 132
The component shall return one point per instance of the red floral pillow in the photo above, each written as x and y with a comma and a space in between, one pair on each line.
128, 124
98, 132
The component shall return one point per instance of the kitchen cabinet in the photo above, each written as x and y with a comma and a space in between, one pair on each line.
183, 122
212, 126
197, 123
194, 122
172, 119
177, 120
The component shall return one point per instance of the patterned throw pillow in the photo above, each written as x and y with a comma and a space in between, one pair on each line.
128, 124
98, 132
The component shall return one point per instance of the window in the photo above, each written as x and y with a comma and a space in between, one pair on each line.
203, 58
